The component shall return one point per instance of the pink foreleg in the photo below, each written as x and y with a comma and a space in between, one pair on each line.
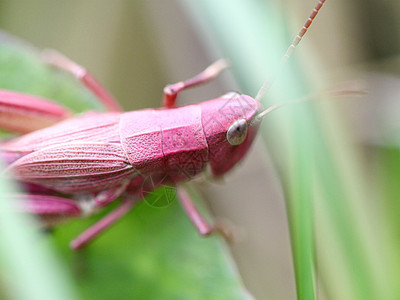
171, 91
194, 215
200, 223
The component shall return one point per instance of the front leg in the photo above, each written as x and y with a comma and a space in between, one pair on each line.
226, 230
171, 91
199, 222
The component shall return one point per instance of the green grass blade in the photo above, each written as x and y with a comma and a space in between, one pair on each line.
241, 29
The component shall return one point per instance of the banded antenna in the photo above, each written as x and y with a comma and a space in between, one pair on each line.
266, 86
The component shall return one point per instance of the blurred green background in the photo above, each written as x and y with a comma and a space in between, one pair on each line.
317, 211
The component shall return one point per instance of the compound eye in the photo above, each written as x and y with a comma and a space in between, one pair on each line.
237, 132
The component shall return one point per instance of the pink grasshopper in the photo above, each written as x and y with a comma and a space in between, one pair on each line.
93, 159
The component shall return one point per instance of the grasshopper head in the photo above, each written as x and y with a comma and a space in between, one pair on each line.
229, 129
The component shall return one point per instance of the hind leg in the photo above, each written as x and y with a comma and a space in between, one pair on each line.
54, 209
92, 232
23, 113
51, 209
60, 61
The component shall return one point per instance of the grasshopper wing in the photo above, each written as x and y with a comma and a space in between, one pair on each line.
91, 127
75, 168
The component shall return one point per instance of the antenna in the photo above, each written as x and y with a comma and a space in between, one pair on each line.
265, 87
348, 89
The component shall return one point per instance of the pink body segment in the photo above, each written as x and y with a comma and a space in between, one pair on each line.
81, 156
166, 145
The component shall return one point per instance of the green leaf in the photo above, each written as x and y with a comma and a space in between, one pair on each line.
153, 252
